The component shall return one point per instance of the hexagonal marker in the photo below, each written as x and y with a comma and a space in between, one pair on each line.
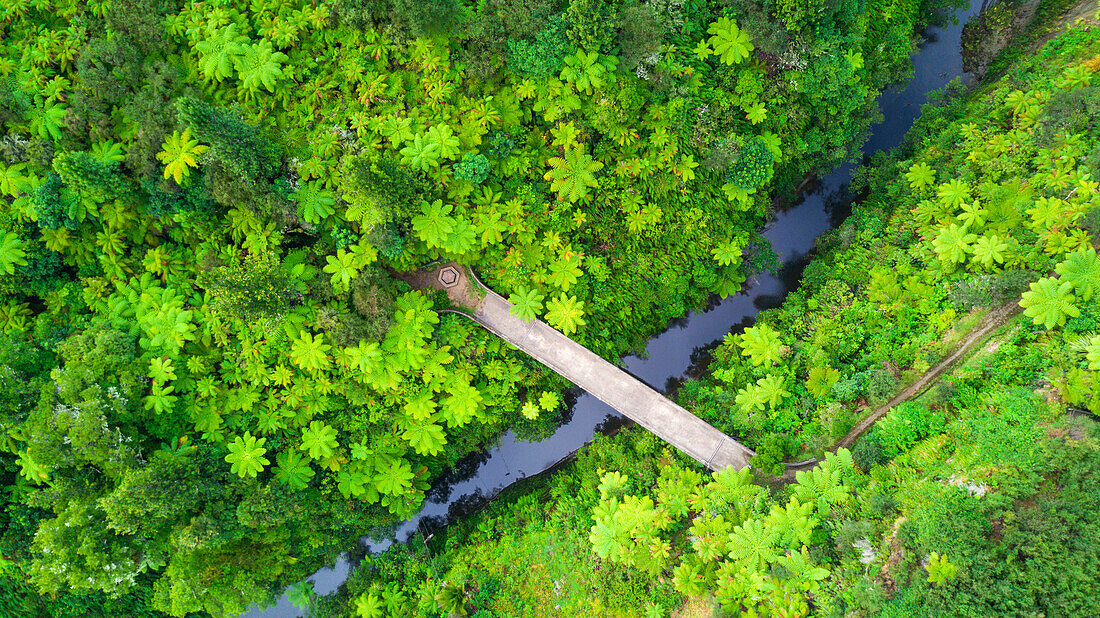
448, 276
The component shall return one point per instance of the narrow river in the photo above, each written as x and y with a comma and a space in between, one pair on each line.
672, 353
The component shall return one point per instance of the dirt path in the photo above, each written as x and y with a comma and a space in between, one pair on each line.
992, 321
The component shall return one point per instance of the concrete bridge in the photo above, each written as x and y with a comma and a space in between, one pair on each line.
611, 385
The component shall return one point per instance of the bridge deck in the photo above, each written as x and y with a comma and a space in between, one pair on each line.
611, 385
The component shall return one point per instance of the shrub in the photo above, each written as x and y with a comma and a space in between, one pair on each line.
754, 167
592, 24
500, 145
868, 451
473, 167
881, 385
543, 57
906, 425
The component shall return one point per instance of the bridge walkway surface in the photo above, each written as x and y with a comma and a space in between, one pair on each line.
608, 383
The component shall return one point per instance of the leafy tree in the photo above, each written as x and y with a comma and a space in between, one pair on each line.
549, 401
761, 344
953, 193
729, 42
293, 469
394, 478
1081, 269
462, 404
727, 253
1050, 302
772, 389
952, 244
220, 50
422, 154
940, 569
990, 249
246, 454
1092, 353
309, 352
571, 177
434, 224
587, 70
315, 203
260, 65
179, 155
474, 168
425, 438
234, 144
565, 313
821, 381
319, 440
920, 175
753, 543
754, 166
11, 252
526, 303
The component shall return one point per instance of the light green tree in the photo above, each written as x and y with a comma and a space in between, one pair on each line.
179, 154
526, 303
729, 42
219, 51
565, 313
246, 454
309, 352
572, 175
940, 569
761, 344
319, 440
1050, 302
260, 65
1081, 269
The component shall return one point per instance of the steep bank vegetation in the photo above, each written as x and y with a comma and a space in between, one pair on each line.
991, 197
976, 499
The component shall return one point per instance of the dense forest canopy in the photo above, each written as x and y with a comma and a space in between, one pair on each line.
975, 497
213, 376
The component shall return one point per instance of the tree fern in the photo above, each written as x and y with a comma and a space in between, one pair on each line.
179, 154
219, 51
526, 303
571, 176
246, 454
1050, 302
11, 252
729, 42
952, 244
753, 544
989, 250
260, 65
565, 313
1082, 270
761, 345
920, 175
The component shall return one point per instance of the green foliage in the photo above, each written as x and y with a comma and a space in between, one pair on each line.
940, 569
565, 313
179, 155
729, 42
753, 167
246, 454
572, 176
1050, 302
473, 167
544, 56
526, 303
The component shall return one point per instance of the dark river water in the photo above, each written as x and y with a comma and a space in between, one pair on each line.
669, 355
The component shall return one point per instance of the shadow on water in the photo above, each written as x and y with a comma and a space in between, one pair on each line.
685, 346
